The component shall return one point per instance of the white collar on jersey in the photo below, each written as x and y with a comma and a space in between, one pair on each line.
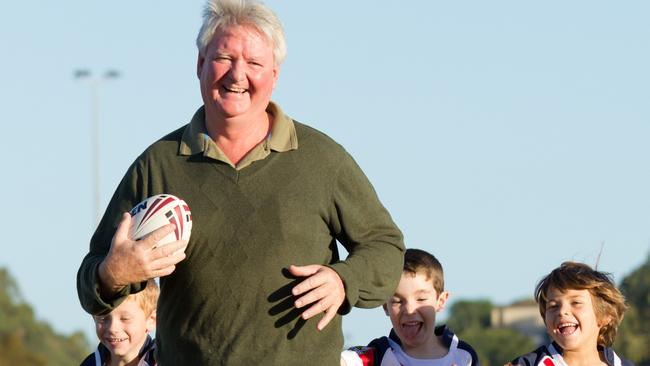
556, 359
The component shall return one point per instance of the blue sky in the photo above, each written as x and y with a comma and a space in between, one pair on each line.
505, 136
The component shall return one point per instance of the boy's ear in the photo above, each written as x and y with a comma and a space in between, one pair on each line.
151, 322
604, 321
442, 300
385, 306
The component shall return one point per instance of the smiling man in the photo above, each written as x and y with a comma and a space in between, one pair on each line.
260, 281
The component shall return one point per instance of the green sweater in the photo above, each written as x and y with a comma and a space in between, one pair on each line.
229, 301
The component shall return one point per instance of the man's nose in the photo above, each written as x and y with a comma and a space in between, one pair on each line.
237, 70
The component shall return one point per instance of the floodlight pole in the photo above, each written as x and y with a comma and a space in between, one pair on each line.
94, 90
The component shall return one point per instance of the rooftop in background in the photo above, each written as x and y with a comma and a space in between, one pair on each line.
523, 316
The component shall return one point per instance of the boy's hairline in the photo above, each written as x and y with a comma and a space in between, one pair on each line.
546, 284
130, 297
142, 299
420, 261
142, 303
430, 274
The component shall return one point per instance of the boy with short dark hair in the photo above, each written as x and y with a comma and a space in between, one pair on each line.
124, 332
582, 309
414, 339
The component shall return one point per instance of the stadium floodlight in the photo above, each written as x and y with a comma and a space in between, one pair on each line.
95, 81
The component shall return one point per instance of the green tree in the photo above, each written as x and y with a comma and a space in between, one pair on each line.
24, 340
634, 333
630, 341
497, 346
14, 352
466, 314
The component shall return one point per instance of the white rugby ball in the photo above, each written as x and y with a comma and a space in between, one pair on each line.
158, 211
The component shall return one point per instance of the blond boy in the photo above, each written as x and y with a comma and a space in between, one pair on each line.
124, 332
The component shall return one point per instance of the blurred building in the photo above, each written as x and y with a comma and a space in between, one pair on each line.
522, 316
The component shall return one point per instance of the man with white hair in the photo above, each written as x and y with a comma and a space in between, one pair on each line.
261, 278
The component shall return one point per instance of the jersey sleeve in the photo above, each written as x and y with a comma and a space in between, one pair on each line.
358, 356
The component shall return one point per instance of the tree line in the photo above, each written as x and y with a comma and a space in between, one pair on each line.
24, 340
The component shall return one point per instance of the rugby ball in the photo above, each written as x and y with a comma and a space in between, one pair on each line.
158, 211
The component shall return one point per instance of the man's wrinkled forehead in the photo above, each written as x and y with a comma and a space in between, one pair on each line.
221, 35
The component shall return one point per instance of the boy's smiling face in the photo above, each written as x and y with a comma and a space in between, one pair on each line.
412, 310
124, 330
571, 319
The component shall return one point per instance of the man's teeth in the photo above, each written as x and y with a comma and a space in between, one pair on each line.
234, 89
117, 339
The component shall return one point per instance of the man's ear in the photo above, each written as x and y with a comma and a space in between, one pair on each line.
199, 64
276, 74
442, 300
385, 306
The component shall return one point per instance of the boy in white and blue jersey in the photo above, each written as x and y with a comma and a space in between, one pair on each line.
124, 332
415, 340
582, 309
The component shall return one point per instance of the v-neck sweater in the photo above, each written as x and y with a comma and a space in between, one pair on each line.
229, 302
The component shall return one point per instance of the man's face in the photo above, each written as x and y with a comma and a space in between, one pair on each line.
412, 311
571, 320
237, 73
124, 330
